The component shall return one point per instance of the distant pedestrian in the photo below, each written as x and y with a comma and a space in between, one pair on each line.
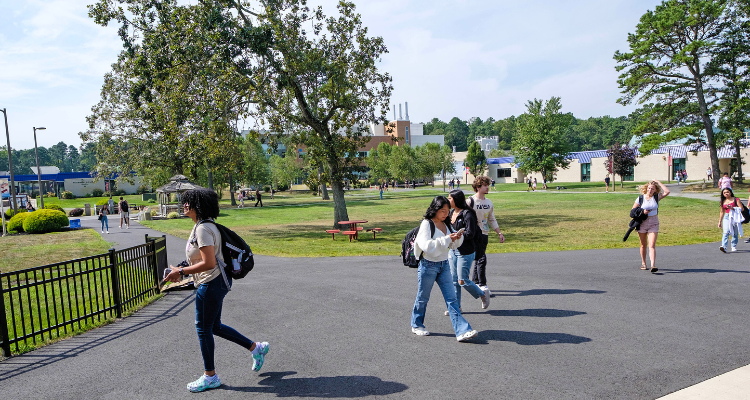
725, 182
381, 192
684, 176
432, 251
528, 181
207, 267
492, 182
124, 212
450, 184
533, 186
651, 194
458, 183
606, 183
544, 183
730, 219
103, 217
258, 198
241, 198
111, 204
708, 174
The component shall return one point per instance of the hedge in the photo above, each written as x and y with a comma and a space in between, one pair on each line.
54, 207
42, 221
16, 223
103, 202
97, 192
173, 215
9, 212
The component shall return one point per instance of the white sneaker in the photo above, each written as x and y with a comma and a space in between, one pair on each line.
734, 248
466, 336
487, 290
420, 331
459, 310
107, 232
486, 299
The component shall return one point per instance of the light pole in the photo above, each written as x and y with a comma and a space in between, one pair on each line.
10, 165
38, 170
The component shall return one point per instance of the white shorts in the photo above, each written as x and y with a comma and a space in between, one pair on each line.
125, 215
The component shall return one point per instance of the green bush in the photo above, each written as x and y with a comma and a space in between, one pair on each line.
103, 202
67, 195
281, 187
120, 192
154, 212
16, 223
54, 207
87, 195
151, 201
266, 189
9, 212
142, 189
42, 221
97, 192
173, 215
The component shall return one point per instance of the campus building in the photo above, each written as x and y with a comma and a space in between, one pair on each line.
661, 164
78, 183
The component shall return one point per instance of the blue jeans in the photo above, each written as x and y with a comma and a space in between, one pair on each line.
105, 222
428, 273
208, 301
729, 230
460, 266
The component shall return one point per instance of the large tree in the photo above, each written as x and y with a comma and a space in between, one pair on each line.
542, 140
667, 70
476, 160
621, 160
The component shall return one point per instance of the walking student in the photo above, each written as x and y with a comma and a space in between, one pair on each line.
124, 212
432, 251
533, 186
460, 258
207, 266
606, 183
258, 198
651, 194
241, 198
485, 211
730, 219
103, 217
725, 182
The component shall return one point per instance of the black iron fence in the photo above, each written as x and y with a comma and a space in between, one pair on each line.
57, 300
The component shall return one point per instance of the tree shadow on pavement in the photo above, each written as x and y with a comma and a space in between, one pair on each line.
531, 312
76, 345
539, 292
528, 338
323, 386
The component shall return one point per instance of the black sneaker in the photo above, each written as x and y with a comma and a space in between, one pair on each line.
747, 241
722, 249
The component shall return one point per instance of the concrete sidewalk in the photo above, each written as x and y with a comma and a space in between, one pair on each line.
562, 325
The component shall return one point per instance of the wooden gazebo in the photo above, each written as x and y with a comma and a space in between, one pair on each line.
177, 184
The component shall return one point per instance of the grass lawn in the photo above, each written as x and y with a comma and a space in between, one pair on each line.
28, 251
541, 221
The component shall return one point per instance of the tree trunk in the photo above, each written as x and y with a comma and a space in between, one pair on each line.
443, 181
210, 180
739, 160
323, 188
709, 127
339, 205
231, 190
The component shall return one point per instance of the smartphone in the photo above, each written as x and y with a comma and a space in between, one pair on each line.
461, 231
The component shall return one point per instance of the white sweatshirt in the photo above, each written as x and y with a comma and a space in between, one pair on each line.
434, 248
485, 214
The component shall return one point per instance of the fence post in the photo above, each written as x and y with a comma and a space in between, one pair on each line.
115, 282
4, 337
153, 263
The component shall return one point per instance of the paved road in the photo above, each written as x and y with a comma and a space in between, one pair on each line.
562, 325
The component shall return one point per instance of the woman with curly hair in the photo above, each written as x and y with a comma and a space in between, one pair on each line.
651, 194
206, 264
434, 240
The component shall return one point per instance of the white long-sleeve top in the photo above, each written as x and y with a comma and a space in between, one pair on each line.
485, 214
434, 248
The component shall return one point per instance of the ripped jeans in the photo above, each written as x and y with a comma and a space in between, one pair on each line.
209, 298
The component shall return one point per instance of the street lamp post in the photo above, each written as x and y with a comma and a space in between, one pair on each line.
38, 170
10, 165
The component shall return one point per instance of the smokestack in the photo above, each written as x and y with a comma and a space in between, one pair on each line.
394, 112
406, 105
399, 112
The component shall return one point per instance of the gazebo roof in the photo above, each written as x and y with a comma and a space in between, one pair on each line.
179, 177
178, 186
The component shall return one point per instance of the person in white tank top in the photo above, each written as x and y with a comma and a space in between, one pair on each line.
649, 229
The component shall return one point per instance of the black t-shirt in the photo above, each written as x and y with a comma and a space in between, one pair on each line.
466, 219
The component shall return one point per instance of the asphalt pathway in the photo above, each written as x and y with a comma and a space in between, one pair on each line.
561, 325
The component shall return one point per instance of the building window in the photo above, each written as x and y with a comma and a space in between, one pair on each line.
629, 176
363, 154
503, 172
407, 135
586, 172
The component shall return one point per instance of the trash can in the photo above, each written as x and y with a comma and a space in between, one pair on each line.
75, 223
87, 209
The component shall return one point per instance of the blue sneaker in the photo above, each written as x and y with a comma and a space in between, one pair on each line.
258, 359
203, 383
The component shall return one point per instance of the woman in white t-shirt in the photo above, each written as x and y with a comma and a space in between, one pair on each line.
431, 249
203, 253
651, 194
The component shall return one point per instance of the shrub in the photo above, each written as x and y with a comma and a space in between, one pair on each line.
154, 212
42, 221
103, 201
173, 215
76, 212
9, 212
282, 187
67, 195
266, 189
54, 207
16, 223
87, 195
142, 189
151, 201
97, 192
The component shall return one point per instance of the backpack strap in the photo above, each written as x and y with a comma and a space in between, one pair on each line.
221, 264
432, 228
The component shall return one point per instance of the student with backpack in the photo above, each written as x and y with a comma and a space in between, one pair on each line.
460, 258
485, 211
651, 194
433, 241
124, 212
205, 256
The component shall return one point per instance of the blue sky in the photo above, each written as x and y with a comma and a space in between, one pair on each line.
457, 58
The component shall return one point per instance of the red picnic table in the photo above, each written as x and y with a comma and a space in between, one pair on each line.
353, 231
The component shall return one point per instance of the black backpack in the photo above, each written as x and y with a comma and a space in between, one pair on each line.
237, 254
407, 246
124, 206
478, 236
